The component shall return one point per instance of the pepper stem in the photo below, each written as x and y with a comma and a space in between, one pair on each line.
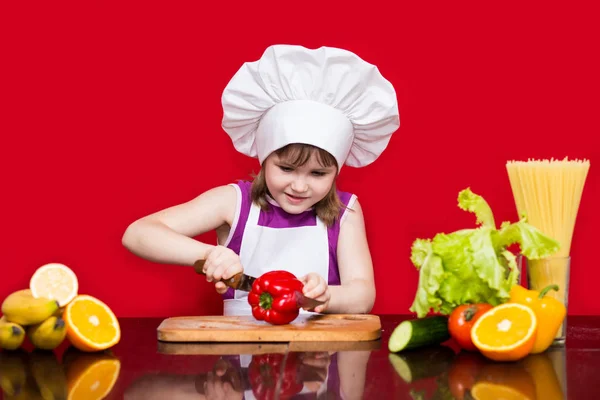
265, 301
547, 289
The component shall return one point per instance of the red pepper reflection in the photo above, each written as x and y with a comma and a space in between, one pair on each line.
267, 376
272, 374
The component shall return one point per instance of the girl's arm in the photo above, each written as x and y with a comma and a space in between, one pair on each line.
167, 236
356, 295
352, 370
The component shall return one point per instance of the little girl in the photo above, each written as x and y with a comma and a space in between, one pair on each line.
303, 113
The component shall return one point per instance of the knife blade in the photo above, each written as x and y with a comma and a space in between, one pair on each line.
306, 302
243, 282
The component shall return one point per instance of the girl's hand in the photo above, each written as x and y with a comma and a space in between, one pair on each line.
316, 288
317, 366
221, 263
223, 382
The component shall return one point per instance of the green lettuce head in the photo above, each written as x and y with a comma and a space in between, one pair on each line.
473, 265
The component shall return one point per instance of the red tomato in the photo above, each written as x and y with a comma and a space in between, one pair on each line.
463, 372
461, 321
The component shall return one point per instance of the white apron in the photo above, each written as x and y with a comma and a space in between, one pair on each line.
297, 250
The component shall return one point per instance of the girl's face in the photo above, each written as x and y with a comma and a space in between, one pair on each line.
296, 189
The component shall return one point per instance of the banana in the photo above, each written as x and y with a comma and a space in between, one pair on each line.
24, 309
11, 334
49, 334
13, 372
49, 375
59, 312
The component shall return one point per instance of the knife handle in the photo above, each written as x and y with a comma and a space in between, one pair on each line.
232, 282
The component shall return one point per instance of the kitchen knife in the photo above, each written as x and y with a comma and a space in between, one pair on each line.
243, 282
239, 281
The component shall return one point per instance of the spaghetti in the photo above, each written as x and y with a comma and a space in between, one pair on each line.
548, 193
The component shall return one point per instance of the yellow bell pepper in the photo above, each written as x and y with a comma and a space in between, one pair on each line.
550, 313
547, 383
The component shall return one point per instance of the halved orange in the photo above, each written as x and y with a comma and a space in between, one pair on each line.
490, 391
91, 324
54, 281
506, 332
91, 376
504, 381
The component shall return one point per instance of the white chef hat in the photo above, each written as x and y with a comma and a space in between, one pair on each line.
328, 97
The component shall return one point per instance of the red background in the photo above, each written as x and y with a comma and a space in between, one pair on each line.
111, 110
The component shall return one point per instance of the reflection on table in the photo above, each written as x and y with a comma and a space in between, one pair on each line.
62, 374
438, 372
263, 376
140, 367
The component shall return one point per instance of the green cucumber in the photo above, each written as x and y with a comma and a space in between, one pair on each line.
427, 362
414, 333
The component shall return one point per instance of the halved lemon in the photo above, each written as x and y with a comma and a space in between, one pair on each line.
54, 281
506, 332
91, 324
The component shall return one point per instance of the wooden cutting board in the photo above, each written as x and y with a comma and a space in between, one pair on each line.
223, 349
307, 327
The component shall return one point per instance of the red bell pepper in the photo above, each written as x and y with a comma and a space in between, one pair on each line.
266, 370
273, 298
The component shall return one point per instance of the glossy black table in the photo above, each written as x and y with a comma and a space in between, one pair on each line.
150, 369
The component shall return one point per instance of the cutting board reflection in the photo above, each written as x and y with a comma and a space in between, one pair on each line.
307, 327
222, 349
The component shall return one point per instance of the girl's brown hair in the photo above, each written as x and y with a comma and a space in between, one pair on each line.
298, 154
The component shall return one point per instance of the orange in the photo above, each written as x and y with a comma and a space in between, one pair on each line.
506, 332
491, 391
54, 281
504, 381
91, 376
91, 324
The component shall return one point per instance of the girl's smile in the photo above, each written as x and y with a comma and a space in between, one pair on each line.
295, 199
